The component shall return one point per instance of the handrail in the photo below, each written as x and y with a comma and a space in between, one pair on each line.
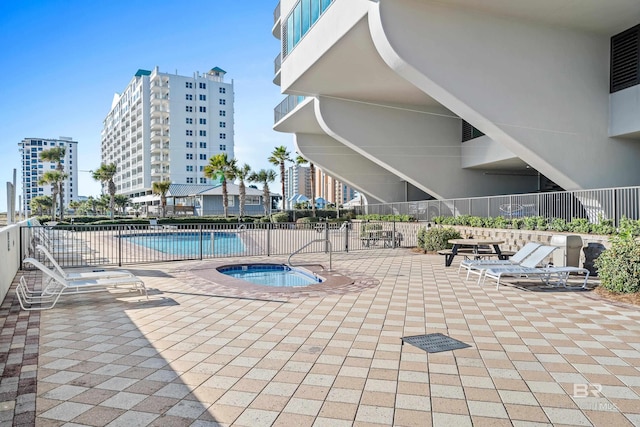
313, 241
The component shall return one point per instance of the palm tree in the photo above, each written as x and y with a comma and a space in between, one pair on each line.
265, 176
121, 201
161, 188
105, 174
242, 173
41, 203
278, 157
312, 171
56, 155
54, 178
221, 167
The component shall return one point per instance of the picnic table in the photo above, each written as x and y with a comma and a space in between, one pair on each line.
477, 248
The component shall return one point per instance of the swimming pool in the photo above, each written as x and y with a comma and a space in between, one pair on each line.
190, 244
271, 275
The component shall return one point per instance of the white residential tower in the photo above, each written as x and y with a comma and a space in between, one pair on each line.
165, 127
33, 168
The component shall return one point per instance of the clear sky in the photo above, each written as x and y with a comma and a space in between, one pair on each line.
62, 61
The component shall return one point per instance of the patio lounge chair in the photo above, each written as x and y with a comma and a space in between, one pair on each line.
477, 266
58, 286
528, 268
98, 274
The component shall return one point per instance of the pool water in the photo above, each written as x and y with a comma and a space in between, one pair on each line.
271, 275
189, 243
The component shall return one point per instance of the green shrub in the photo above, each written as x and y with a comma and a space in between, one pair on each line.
389, 218
367, 227
529, 223
437, 238
542, 223
579, 225
619, 266
476, 221
558, 224
517, 223
438, 219
280, 217
626, 226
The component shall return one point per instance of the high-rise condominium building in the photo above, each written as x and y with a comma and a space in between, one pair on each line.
297, 182
405, 99
165, 127
33, 168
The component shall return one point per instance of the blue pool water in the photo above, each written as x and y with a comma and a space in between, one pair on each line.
190, 244
271, 275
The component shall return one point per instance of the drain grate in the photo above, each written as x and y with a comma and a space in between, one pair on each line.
434, 343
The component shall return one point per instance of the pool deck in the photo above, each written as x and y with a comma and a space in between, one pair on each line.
199, 353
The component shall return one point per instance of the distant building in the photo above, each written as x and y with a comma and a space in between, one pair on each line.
332, 190
297, 181
165, 127
33, 168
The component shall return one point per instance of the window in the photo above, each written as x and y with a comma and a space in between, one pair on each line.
189, 121
223, 136
203, 144
223, 147
252, 200
189, 156
203, 133
223, 102
223, 124
223, 113
202, 97
202, 85
189, 133
201, 168
203, 180
203, 121
203, 109
189, 85
222, 90
189, 97
189, 109
189, 168
203, 156
189, 180
189, 144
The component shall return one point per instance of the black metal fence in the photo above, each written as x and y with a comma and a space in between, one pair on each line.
94, 245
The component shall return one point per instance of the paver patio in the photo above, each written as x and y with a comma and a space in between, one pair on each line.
197, 354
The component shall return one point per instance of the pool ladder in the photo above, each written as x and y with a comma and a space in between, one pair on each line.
309, 243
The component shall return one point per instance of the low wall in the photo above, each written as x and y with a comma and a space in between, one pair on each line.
9, 256
515, 239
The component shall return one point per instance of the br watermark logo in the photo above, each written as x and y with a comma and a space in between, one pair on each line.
593, 390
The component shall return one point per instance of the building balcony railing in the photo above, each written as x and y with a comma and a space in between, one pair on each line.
277, 64
286, 106
276, 14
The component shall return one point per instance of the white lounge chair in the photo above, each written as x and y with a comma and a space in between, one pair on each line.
99, 274
477, 266
58, 286
528, 268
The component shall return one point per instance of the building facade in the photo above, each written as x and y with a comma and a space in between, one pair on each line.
297, 181
408, 100
33, 168
166, 127
332, 190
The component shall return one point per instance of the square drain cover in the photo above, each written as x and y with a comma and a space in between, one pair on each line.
434, 343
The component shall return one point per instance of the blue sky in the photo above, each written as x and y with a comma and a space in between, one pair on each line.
63, 60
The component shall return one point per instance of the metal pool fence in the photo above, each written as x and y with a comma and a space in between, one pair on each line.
95, 245
593, 205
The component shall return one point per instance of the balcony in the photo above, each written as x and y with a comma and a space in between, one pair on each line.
277, 65
286, 106
276, 30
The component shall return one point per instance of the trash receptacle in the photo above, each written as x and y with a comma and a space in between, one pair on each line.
568, 252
